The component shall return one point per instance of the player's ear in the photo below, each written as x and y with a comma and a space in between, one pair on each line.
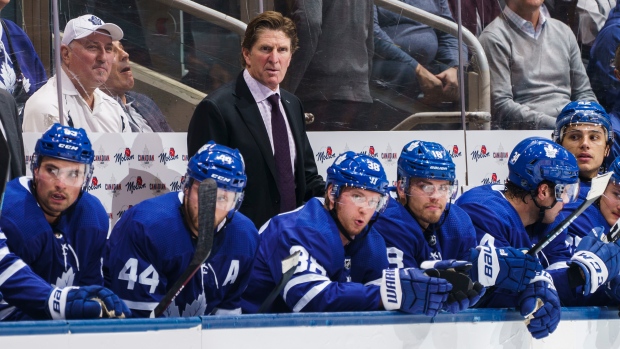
544, 191
330, 198
400, 189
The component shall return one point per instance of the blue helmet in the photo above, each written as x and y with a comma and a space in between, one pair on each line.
65, 143
223, 164
420, 159
582, 112
537, 159
359, 171
615, 171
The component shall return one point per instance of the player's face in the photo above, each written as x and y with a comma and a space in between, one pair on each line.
610, 203
121, 78
269, 58
588, 143
552, 213
225, 202
427, 199
354, 209
57, 185
90, 59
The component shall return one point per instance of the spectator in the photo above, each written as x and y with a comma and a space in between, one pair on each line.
280, 163
22, 71
11, 129
535, 66
331, 71
476, 14
142, 112
49, 221
87, 54
601, 67
413, 58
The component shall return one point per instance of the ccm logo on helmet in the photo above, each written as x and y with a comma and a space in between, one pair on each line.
67, 146
220, 178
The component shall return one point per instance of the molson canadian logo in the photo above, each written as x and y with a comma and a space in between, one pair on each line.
455, 153
480, 154
136, 184
177, 183
492, 179
94, 184
120, 212
325, 153
171, 155
146, 159
101, 159
389, 157
370, 151
112, 187
157, 187
123, 156
500, 156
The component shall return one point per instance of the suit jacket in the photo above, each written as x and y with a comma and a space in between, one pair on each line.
149, 111
230, 116
13, 134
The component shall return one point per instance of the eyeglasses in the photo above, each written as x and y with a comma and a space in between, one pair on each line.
227, 200
427, 189
68, 176
373, 202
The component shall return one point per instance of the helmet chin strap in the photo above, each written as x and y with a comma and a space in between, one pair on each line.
542, 209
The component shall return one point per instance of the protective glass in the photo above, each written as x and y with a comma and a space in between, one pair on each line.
228, 200
567, 193
69, 176
446, 190
373, 201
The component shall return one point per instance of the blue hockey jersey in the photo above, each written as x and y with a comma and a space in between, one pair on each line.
451, 238
492, 215
65, 254
20, 286
329, 277
151, 246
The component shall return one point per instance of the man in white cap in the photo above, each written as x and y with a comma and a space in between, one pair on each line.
87, 53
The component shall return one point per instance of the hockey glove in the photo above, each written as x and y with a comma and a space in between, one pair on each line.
597, 260
86, 302
612, 289
465, 293
503, 267
412, 291
540, 304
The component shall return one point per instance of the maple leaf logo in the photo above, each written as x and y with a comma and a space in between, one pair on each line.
66, 279
172, 311
95, 181
139, 180
329, 151
172, 152
197, 308
127, 152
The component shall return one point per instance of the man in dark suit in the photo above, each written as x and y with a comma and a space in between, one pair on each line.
12, 130
240, 115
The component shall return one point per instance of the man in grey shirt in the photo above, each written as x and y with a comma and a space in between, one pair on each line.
535, 65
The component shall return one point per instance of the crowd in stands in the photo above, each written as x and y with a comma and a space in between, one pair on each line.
348, 235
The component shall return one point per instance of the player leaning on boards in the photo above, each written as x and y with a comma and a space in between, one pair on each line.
422, 225
154, 241
58, 230
342, 261
542, 177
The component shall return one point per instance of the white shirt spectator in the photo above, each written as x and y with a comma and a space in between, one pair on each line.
41, 110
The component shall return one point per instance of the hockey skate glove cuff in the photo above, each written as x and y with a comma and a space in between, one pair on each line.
57, 302
391, 293
594, 270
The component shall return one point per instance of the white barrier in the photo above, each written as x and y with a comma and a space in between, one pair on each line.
478, 329
133, 167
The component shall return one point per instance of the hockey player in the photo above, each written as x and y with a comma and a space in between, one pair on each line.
153, 243
423, 225
543, 176
27, 291
49, 221
341, 265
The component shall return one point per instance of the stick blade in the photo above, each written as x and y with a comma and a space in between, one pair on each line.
207, 195
599, 183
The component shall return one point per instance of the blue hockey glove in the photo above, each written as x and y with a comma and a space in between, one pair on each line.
503, 267
412, 291
86, 302
540, 304
465, 292
597, 260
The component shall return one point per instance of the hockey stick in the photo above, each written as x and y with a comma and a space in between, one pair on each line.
597, 189
289, 264
207, 194
599, 184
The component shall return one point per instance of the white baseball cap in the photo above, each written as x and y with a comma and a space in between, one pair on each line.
85, 25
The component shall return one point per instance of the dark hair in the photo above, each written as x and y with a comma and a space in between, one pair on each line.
515, 191
268, 20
